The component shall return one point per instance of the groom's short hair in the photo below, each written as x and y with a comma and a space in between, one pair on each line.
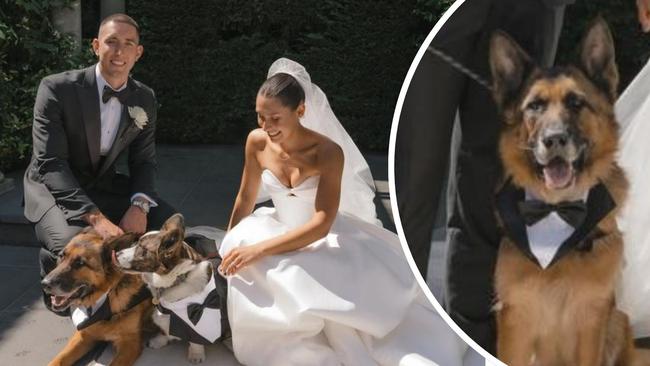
120, 18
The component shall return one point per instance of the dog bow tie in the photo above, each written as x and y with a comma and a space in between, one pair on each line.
120, 95
573, 212
195, 310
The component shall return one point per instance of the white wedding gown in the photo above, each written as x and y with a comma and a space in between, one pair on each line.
347, 299
633, 114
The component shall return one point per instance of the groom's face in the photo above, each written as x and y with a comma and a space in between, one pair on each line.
117, 46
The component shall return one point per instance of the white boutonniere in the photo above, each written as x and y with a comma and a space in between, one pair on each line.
139, 116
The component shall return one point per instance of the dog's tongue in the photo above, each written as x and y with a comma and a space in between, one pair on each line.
557, 174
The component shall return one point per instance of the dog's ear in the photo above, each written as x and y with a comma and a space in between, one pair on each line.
598, 59
120, 242
509, 65
173, 230
117, 243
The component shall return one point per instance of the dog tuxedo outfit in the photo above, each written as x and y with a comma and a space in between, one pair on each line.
545, 232
202, 317
83, 317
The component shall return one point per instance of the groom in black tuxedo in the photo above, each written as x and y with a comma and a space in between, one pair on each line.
436, 94
83, 120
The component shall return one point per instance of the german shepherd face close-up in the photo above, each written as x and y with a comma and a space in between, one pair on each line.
84, 270
558, 144
559, 136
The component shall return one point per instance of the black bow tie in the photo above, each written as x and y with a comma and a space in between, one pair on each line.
573, 212
120, 95
195, 310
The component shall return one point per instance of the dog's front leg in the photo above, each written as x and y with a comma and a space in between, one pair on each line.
127, 350
515, 337
196, 353
78, 345
591, 337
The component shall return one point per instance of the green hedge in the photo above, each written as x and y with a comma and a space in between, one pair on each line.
29, 49
206, 59
632, 46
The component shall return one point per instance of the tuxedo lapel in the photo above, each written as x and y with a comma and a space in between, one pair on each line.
599, 204
89, 100
513, 222
126, 122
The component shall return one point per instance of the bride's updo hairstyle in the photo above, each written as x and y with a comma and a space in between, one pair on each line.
284, 87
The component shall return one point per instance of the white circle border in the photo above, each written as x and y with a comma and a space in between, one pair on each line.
489, 359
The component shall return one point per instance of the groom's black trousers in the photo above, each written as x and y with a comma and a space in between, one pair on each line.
53, 231
436, 93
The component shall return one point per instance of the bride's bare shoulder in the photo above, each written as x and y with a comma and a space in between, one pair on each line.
328, 150
256, 139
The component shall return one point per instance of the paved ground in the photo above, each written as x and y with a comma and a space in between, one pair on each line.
201, 182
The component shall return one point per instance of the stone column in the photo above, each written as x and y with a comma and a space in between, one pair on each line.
108, 7
68, 20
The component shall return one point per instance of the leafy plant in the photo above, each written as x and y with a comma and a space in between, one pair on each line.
30, 48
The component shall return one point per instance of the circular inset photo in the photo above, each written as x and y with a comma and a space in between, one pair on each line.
518, 162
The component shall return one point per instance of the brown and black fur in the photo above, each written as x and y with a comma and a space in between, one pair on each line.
86, 265
565, 314
161, 251
172, 270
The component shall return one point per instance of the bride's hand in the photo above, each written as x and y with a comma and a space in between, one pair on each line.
238, 258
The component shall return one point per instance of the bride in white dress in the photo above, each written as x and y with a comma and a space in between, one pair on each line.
633, 114
316, 280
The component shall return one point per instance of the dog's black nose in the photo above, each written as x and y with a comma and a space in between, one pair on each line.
46, 284
556, 141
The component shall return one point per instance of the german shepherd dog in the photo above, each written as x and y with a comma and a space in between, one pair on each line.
85, 275
179, 278
557, 146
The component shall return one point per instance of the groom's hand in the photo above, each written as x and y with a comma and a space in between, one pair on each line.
134, 221
643, 8
102, 225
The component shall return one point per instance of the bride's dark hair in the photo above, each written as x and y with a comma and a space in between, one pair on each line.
284, 87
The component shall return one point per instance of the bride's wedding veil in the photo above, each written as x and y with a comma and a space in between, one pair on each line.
357, 185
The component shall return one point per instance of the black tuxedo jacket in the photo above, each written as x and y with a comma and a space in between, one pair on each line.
66, 163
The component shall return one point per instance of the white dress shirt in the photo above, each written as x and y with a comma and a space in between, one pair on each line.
547, 235
110, 114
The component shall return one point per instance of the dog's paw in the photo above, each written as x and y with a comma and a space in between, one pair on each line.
159, 341
195, 353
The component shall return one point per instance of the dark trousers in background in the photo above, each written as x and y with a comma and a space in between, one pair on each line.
436, 94
54, 232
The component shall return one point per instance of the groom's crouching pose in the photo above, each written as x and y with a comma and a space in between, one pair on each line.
188, 292
84, 119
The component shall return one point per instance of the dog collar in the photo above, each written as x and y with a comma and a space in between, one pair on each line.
83, 317
599, 204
